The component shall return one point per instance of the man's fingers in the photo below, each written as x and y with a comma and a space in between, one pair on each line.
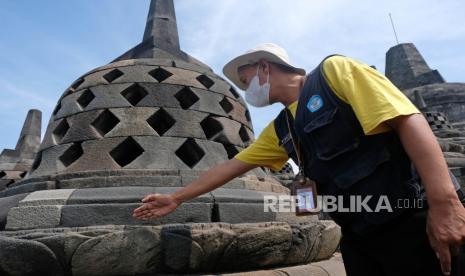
148, 216
443, 253
142, 215
138, 214
141, 208
150, 197
146, 211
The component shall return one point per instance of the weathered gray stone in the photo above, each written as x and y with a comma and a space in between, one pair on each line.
29, 187
133, 252
119, 181
49, 161
208, 243
30, 217
64, 247
123, 195
187, 123
246, 251
237, 195
243, 212
47, 197
291, 218
406, 68
14, 163
330, 238
197, 247
331, 267
6, 203
132, 121
23, 257
306, 242
106, 96
118, 213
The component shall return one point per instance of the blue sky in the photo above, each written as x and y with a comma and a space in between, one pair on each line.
45, 45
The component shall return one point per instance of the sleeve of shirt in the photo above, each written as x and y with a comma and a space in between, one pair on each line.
265, 151
371, 95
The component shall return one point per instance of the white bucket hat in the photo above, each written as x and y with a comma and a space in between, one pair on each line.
268, 51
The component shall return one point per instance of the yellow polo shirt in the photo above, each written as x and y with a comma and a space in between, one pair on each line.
373, 98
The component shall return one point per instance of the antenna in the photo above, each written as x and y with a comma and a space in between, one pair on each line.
394, 28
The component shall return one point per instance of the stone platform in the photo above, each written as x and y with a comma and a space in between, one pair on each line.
172, 248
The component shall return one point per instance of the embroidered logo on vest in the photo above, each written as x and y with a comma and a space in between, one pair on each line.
315, 103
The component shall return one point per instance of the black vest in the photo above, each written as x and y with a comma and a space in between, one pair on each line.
343, 160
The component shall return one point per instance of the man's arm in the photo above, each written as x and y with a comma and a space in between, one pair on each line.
158, 205
446, 215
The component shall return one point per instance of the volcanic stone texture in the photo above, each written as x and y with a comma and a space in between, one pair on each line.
406, 68
115, 205
15, 163
173, 248
151, 114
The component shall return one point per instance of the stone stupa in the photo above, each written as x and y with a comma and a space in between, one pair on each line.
15, 163
151, 121
442, 103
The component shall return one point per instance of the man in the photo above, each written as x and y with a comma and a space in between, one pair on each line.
358, 135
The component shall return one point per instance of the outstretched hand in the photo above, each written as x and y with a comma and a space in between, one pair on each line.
156, 206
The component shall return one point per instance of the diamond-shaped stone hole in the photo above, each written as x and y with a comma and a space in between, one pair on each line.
205, 81
8, 184
57, 108
186, 97
231, 150
244, 134
211, 127
37, 161
112, 75
86, 98
247, 116
2, 174
234, 92
161, 121
60, 131
105, 122
77, 83
23, 174
226, 105
160, 74
72, 154
190, 152
134, 94
126, 152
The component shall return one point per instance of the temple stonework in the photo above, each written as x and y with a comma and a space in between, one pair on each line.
150, 121
442, 103
14, 164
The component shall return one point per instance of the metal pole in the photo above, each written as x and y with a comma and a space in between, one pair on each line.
393, 28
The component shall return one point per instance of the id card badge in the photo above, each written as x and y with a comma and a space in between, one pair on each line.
304, 191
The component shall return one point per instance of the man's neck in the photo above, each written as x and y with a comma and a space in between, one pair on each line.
291, 91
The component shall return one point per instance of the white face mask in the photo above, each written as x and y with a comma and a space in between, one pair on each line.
258, 95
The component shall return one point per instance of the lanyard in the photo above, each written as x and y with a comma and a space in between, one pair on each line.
295, 143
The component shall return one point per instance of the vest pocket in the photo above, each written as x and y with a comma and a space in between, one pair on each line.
331, 135
359, 166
